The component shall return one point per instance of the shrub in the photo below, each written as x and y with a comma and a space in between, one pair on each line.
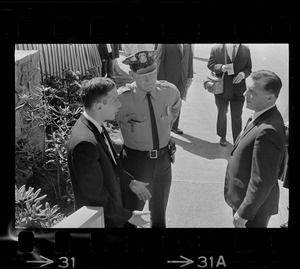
58, 109
29, 212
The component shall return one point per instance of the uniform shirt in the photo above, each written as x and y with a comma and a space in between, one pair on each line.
134, 116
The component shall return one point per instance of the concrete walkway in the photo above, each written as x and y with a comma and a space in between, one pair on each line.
196, 197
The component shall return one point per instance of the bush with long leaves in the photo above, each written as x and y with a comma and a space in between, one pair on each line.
29, 212
55, 106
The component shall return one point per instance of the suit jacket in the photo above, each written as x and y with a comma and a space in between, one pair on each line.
252, 174
176, 66
103, 51
96, 179
241, 63
115, 51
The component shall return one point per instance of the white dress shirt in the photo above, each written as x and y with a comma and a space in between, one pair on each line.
230, 49
109, 49
258, 113
99, 127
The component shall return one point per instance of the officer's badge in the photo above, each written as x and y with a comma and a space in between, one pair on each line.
141, 59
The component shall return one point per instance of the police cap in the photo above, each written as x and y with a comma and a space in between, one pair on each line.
142, 61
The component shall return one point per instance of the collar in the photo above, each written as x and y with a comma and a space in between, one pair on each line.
142, 93
99, 127
230, 46
152, 93
258, 113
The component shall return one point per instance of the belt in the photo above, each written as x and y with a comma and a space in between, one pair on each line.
152, 154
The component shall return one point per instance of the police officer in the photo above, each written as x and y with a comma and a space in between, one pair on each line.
149, 109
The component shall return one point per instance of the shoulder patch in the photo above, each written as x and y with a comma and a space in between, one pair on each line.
163, 84
125, 88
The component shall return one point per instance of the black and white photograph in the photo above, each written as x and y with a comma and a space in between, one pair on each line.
151, 135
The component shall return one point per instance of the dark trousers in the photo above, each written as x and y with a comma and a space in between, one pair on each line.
107, 67
180, 87
156, 172
176, 122
236, 109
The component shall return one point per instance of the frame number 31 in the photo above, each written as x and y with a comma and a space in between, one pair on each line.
67, 262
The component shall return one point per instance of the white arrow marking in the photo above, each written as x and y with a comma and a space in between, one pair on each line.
186, 262
46, 262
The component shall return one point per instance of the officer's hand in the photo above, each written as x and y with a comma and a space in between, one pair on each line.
140, 218
238, 78
140, 189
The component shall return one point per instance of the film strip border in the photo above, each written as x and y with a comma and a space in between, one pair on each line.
268, 248
191, 21
139, 248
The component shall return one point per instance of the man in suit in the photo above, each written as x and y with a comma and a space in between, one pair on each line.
237, 68
285, 168
115, 56
175, 65
96, 172
107, 53
251, 183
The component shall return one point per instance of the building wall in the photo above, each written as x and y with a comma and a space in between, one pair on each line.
27, 78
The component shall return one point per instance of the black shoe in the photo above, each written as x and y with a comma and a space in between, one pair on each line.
177, 131
223, 142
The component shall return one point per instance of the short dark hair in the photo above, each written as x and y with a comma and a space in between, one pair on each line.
94, 89
273, 83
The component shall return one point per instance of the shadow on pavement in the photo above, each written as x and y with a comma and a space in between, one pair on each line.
204, 148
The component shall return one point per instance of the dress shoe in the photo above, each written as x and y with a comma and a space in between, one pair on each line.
177, 131
223, 142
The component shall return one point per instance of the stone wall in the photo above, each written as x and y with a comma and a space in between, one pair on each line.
27, 78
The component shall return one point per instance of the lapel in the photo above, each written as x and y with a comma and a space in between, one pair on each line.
249, 127
98, 136
262, 117
180, 50
237, 53
223, 51
116, 156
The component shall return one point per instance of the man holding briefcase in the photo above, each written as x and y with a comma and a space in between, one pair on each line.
237, 68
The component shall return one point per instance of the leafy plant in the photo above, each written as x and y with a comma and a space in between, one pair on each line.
29, 212
55, 107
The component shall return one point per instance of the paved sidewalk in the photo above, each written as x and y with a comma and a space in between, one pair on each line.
196, 197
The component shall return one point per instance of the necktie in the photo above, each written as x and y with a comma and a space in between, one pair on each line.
106, 137
247, 123
153, 123
241, 133
181, 48
233, 53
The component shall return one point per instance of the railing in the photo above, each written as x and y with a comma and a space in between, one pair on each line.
85, 217
56, 57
